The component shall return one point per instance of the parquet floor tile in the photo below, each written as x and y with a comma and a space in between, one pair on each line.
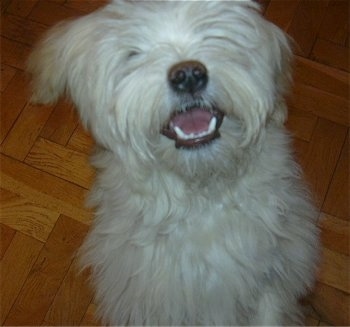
45, 175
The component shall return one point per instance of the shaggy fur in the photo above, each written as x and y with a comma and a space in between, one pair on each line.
217, 234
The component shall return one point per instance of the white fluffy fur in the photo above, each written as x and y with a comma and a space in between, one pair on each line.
222, 234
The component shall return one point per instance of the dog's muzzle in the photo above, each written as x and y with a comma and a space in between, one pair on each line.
196, 124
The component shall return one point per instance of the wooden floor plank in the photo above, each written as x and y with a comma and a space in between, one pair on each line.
72, 299
86, 6
7, 73
81, 141
49, 12
320, 103
29, 218
322, 157
14, 53
25, 131
59, 161
306, 24
323, 77
6, 236
281, 13
335, 24
337, 198
15, 267
44, 189
21, 8
332, 304
331, 54
334, 270
47, 274
13, 100
335, 234
21, 29
301, 123
61, 124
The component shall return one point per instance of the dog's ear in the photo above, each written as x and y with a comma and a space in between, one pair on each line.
48, 66
281, 52
60, 61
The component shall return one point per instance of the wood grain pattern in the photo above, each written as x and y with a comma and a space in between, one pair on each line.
306, 23
322, 157
47, 274
21, 30
59, 161
20, 8
15, 268
44, 189
61, 124
332, 304
25, 131
282, 12
81, 141
337, 199
335, 234
7, 73
73, 287
335, 24
329, 53
14, 53
27, 217
6, 236
302, 123
325, 78
13, 100
49, 13
320, 103
335, 270
45, 175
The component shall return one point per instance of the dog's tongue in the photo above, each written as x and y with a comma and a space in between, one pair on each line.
193, 121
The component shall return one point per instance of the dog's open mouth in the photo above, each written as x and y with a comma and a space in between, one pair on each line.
194, 127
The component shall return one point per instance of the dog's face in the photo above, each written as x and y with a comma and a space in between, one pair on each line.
186, 83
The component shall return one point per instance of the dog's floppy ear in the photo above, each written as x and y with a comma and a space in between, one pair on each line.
47, 65
283, 56
60, 61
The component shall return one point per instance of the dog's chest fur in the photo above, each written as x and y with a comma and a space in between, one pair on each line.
213, 247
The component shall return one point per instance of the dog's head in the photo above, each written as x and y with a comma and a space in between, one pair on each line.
187, 84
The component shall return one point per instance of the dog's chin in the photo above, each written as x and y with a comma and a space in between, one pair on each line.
194, 127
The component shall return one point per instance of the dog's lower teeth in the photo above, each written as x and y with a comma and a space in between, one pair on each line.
182, 135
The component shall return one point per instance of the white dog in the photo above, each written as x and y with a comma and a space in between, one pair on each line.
201, 214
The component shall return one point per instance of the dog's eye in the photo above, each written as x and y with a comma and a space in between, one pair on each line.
216, 38
132, 54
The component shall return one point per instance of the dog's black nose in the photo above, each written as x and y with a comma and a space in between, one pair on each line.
188, 76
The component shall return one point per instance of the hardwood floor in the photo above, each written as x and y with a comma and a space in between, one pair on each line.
45, 174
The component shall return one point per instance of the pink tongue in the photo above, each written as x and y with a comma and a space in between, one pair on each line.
193, 121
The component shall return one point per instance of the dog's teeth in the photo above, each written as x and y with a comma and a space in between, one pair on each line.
180, 133
184, 136
212, 125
